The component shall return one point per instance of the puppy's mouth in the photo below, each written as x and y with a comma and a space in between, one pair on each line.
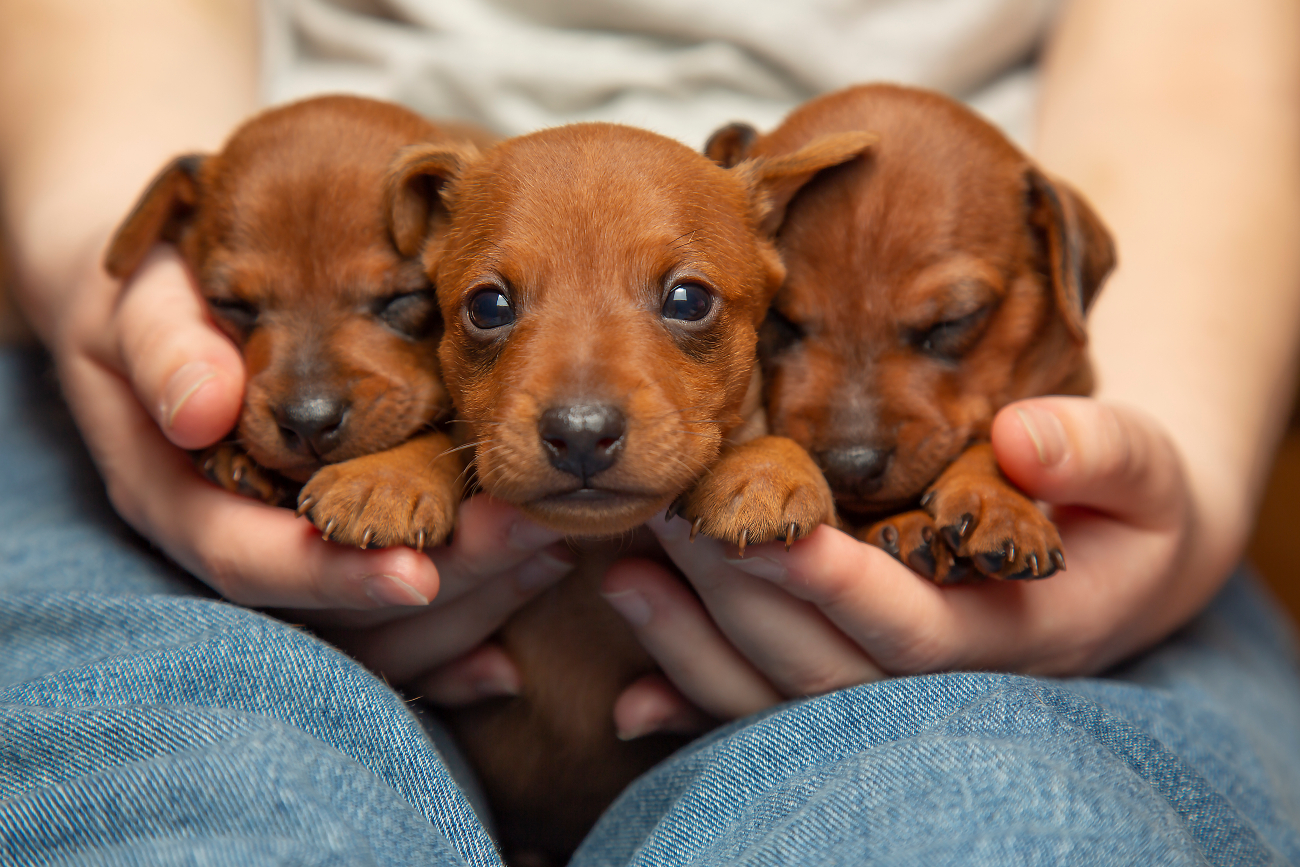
590, 495
596, 511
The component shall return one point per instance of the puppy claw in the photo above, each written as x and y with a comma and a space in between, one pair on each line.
305, 505
744, 537
674, 509
927, 498
209, 464
695, 528
419, 541
791, 533
237, 473
1030, 571
1058, 558
365, 538
953, 534
329, 527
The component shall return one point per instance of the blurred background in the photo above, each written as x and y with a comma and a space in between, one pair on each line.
1274, 547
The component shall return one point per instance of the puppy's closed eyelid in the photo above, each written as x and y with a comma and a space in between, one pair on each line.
236, 310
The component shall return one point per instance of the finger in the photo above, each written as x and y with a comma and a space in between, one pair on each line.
790, 641
1078, 622
1081, 452
485, 672
653, 705
675, 629
185, 371
490, 538
904, 623
406, 648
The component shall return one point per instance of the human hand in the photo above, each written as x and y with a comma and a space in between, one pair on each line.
148, 376
834, 612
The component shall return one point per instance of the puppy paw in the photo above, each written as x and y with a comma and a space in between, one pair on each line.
1002, 531
369, 503
913, 540
768, 488
228, 466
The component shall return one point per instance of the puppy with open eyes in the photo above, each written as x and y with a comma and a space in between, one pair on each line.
285, 234
928, 285
602, 288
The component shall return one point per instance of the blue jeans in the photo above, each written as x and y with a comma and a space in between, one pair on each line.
144, 722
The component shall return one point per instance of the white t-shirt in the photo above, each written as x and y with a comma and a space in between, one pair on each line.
679, 67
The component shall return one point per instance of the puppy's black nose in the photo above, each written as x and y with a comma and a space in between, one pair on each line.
854, 469
312, 423
582, 440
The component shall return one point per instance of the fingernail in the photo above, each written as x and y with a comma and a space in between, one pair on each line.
524, 535
390, 590
543, 569
760, 567
633, 732
188, 379
1047, 433
496, 685
632, 605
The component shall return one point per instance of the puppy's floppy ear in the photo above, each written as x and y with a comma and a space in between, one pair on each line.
731, 145
415, 191
1079, 250
163, 210
773, 181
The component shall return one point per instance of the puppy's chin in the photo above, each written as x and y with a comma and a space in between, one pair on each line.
292, 467
893, 494
858, 510
595, 511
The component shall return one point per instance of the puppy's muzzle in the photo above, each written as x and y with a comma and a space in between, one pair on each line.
856, 470
312, 424
582, 440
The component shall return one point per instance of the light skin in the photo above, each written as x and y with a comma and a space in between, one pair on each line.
1181, 123
95, 98
1187, 143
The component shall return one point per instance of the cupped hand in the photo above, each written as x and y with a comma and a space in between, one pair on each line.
833, 612
148, 376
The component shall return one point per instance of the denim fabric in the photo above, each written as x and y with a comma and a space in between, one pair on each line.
143, 722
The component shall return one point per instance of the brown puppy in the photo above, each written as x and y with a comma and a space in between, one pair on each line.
285, 232
602, 288
928, 285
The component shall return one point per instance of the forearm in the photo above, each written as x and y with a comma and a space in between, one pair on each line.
94, 97
1180, 120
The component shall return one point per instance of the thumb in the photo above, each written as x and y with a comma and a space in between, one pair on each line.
1076, 451
185, 372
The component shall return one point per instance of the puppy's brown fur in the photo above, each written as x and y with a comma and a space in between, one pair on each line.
928, 285
285, 233
602, 288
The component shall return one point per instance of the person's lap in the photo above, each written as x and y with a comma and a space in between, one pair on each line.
142, 721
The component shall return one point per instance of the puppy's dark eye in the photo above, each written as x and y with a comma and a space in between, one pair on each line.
688, 302
411, 314
490, 308
235, 311
951, 338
